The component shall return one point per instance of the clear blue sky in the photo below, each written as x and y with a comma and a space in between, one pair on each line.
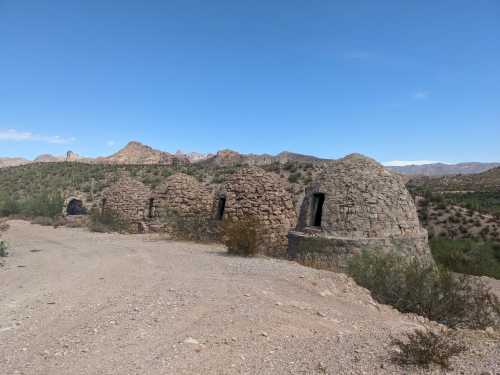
405, 80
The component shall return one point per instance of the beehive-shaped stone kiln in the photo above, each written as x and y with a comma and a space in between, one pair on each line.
356, 204
129, 199
256, 195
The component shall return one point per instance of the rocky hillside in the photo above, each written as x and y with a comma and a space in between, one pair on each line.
233, 158
441, 169
137, 153
12, 162
485, 181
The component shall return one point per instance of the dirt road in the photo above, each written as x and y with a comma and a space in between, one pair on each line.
74, 302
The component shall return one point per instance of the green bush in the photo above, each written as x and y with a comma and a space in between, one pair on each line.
425, 347
412, 286
294, 177
468, 256
42, 204
3, 249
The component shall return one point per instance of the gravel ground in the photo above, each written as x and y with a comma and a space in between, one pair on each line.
75, 302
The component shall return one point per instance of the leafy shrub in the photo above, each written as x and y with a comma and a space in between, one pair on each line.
294, 177
468, 256
3, 249
106, 222
425, 347
42, 204
412, 286
241, 237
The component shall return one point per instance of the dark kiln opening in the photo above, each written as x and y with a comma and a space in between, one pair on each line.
103, 206
221, 207
151, 208
317, 209
75, 207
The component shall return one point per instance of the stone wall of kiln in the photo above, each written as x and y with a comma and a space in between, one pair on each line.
365, 207
334, 253
362, 199
181, 200
129, 199
253, 194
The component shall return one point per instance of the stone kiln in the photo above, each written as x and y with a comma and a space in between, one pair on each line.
181, 196
253, 194
128, 199
356, 204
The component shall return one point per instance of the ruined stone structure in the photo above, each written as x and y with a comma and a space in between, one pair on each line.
75, 204
355, 204
253, 194
180, 197
129, 199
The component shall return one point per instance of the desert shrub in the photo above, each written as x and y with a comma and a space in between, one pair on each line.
8, 205
4, 226
412, 286
42, 205
3, 249
106, 222
241, 237
426, 347
294, 177
480, 258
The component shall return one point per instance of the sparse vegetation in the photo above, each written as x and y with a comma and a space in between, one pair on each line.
426, 347
3, 249
468, 256
42, 204
412, 286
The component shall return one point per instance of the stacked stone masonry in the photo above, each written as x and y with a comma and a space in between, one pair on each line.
129, 199
365, 207
253, 194
181, 196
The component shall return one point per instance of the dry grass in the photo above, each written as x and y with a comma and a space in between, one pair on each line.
4, 226
424, 347
241, 237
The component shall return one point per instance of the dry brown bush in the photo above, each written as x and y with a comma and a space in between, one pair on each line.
241, 237
424, 347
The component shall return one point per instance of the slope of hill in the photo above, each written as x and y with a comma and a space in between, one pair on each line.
233, 158
480, 182
12, 162
441, 169
138, 153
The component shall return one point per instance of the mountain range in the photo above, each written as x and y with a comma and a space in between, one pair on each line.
138, 153
441, 169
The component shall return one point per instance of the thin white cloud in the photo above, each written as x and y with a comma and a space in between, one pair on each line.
403, 163
110, 143
421, 95
19, 136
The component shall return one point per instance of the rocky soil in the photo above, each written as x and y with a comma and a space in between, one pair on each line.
74, 302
